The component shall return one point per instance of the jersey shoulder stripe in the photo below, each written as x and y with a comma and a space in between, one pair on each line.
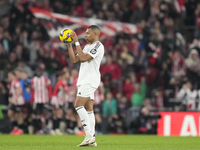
97, 45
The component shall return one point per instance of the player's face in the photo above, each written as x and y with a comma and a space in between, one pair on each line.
89, 35
109, 96
18, 74
67, 75
137, 87
39, 73
10, 77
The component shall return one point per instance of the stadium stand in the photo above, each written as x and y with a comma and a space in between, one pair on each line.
156, 69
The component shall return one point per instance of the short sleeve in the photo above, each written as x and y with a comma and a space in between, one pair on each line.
17, 84
48, 81
95, 50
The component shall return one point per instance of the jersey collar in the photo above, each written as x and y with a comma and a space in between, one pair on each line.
94, 43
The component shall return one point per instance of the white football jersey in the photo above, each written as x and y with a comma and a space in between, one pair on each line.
89, 71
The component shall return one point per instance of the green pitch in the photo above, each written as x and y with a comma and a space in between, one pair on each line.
105, 142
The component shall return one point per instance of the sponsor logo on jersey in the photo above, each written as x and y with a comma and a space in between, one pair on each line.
93, 51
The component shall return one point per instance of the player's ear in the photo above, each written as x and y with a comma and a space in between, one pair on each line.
97, 33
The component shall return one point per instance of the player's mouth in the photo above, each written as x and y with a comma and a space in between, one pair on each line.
87, 39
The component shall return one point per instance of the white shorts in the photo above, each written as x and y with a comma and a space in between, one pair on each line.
86, 90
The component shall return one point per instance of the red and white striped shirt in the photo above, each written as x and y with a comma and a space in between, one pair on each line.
97, 94
71, 91
40, 89
19, 99
59, 93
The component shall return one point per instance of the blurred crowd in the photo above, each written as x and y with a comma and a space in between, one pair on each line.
155, 70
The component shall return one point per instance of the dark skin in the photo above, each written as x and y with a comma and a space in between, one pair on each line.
91, 37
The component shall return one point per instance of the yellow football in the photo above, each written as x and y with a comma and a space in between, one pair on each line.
66, 36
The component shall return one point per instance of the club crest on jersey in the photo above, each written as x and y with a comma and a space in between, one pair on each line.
93, 51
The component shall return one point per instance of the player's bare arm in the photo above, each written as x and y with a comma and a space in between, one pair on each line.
73, 58
11, 100
82, 57
19, 92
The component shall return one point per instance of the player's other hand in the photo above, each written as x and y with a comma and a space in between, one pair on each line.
75, 37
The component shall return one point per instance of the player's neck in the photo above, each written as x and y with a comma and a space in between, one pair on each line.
94, 41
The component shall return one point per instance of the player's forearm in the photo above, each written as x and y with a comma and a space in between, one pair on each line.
81, 55
71, 54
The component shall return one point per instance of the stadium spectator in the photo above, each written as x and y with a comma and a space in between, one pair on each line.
116, 124
109, 105
160, 99
52, 65
71, 118
140, 13
138, 51
58, 101
177, 60
26, 69
60, 7
98, 98
127, 58
32, 46
165, 48
197, 14
35, 26
128, 88
188, 95
108, 83
164, 76
139, 94
3, 57
16, 102
148, 104
11, 63
112, 68
4, 8
46, 5
7, 41
123, 105
40, 95
21, 52
27, 86
3, 94
109, 108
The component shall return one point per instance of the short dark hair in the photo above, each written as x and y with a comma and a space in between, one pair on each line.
62, 73
94, 27
18, 69
12, 72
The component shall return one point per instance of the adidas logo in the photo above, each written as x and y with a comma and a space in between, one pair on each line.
79, 93
84, 125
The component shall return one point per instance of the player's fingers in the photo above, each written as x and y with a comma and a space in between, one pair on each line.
73, 33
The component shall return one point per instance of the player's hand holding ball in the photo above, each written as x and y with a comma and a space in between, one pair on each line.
75, 37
